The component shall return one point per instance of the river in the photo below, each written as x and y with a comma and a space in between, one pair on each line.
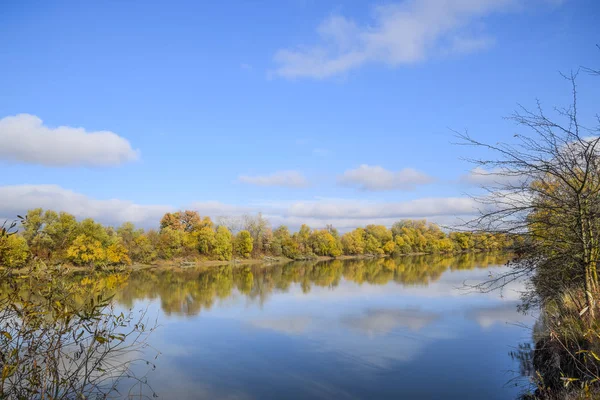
355, 329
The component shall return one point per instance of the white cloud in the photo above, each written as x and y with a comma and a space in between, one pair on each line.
339, 208
490, 178
220, 209
18, 199
400, 33
368, 177
24, 138
344, 214
293, 179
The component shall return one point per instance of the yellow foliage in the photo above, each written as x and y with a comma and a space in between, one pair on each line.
86, 250
389, 247
14, 251
116, 253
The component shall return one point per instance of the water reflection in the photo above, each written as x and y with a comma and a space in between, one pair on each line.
382, 321
189, 291
352, 329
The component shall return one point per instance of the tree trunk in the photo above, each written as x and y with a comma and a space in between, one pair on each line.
589, 297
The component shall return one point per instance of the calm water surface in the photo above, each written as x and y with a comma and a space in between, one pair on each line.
342, 329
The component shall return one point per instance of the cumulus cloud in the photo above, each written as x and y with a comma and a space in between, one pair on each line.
293, 179
344, 214
24, 138
18, 199
375, 178
398, 33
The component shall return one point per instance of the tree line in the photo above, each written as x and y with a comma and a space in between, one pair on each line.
58, 238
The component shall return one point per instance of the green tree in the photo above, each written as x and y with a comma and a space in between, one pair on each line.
170, 243
93, 230
142, 250
282, 238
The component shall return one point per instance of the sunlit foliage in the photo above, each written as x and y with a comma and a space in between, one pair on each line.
223, 244
14, 251
86, 250
243, 244
56, 238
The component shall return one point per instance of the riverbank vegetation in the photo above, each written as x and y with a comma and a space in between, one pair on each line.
64, 339
59, 238
545, 187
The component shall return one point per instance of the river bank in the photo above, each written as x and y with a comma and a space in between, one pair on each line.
178, 264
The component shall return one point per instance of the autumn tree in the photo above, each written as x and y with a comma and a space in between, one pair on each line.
169, 243
14, 251
545, 187
49, 234
260, 231
323, 243
243, 244
284, 244
205, 239
223, 244
136, 242
187, 221
117, 254
86, 250
302, 238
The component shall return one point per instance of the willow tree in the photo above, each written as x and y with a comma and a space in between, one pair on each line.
61, 336
545, 188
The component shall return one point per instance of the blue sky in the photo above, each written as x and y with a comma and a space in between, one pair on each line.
309, 111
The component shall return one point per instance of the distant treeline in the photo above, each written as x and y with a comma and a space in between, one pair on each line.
57, 238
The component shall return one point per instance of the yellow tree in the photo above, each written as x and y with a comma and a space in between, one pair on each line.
353, 242
223, 244
14, 251
243, 244
117, 254
323, 243
86, 250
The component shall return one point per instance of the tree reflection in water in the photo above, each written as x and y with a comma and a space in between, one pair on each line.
189, 291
